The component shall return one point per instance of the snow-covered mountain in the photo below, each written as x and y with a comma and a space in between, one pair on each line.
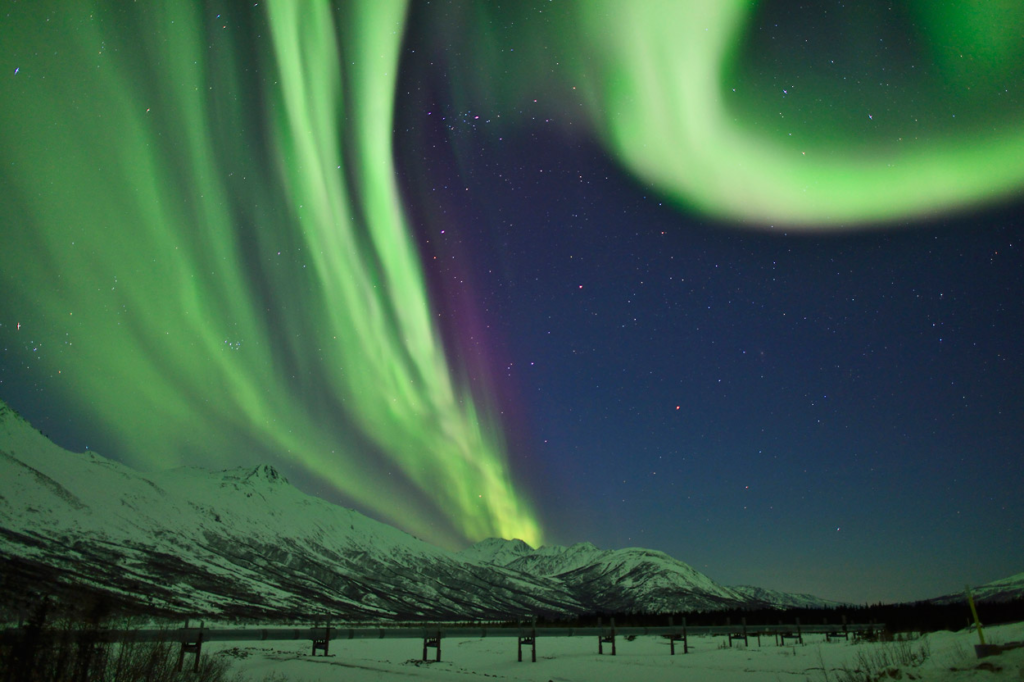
783, 600
496, 551
632, 579
1005, 589
242, 542
245, 542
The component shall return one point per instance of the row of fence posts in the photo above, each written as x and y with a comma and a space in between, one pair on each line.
672, 638
780, 637
433, 641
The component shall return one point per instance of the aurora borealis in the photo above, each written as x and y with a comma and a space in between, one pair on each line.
217, 306
663, 97
416, 256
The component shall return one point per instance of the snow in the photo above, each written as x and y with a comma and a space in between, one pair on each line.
246, 543
785, 599
950, 658
642, 579
189, 536
497, 551
1003, 589
233, 524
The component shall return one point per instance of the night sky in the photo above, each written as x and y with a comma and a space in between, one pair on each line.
741, 284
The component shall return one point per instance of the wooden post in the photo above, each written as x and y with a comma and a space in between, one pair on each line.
181, 653
674, 637
799, 632
434, 641
192, 648
602, 640
529, 640
836, 633
741, 635
671, 637
325, 643
322, 644
533, 648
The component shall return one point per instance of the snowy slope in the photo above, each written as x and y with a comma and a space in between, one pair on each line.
242, 542
1005, 589
1001, 590
495, 551
783, 600
645, 580
632, 579
245, 542
948, 657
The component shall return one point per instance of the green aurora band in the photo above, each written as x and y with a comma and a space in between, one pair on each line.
658, 81
903, 110
204, 240
142, 248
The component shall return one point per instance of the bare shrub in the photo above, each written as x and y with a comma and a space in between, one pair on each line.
884, 660
74, 646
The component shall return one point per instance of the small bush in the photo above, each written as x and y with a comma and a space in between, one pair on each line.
885, 660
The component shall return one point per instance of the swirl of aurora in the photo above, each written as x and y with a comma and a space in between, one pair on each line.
203, 232
723, 112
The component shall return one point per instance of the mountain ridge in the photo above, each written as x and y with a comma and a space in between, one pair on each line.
1001, 590
246, 543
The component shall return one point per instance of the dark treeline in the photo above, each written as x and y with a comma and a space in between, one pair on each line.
913, 617
61, 642
84, 608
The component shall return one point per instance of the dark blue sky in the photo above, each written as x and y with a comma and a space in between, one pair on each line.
839, 414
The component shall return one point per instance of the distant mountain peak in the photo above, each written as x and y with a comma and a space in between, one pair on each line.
497, 551
1004, 589
578, 549
265, 472
243, 542
783, 600
584, 547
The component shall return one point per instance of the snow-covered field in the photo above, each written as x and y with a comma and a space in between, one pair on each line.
948, 656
